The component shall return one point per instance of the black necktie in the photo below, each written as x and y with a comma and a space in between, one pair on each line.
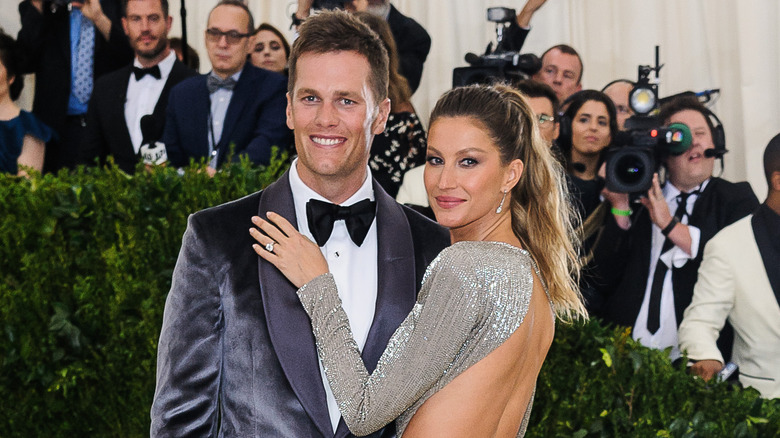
654, 311
141, 72
358, 217
214, 83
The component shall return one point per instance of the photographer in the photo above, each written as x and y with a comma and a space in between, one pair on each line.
68, 45
648, 259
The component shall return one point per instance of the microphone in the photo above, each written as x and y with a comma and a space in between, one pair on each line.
712, 152
473, 59
152, 151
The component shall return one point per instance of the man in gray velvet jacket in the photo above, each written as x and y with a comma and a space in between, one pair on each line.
236, 354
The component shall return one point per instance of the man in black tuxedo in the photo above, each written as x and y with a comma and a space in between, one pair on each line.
68, 47
648, 261
122, 98
237, 356
236, 106
411, 39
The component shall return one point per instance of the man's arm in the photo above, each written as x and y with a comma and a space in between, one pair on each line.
189, 355
516, 33
270, 128
93, 143
170, 138
713, 299
31, 36
94, 12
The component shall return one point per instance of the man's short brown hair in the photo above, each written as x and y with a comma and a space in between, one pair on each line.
339, 31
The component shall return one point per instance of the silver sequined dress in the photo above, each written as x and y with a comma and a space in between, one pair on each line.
474, 296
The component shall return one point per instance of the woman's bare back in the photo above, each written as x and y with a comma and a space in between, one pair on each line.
491, 397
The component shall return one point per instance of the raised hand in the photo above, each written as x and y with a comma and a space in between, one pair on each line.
297, 257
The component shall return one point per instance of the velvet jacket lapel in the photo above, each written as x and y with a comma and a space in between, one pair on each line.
288, 324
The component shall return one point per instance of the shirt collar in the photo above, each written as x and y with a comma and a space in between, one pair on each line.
302, 193
165, 66
671, 192
235, 76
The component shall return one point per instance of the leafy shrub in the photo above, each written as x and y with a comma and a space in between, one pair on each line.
85, 264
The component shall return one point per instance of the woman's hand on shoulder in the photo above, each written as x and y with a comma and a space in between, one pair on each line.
278, 242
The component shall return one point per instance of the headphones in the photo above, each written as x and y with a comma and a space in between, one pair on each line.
564, 125
718, 136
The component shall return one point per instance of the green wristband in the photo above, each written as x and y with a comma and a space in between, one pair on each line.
619, 212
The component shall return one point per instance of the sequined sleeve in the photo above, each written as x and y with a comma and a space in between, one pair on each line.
444, 323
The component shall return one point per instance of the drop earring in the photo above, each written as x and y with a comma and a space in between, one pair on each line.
501, 205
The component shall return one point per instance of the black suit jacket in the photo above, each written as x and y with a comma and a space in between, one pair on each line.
413, 43
236, 352
44, 40
255, 118
107, 132
622, 258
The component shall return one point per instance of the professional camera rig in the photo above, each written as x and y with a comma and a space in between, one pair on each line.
497, 64
638, 153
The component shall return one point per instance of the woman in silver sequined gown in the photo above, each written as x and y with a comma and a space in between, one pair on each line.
464, 362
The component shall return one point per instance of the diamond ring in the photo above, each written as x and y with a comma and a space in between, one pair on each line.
269, 247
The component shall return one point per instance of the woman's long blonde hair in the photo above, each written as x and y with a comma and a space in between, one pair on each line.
542, 216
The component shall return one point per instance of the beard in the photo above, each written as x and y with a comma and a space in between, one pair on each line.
152, 53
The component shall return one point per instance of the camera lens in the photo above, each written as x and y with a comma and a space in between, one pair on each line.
630, 170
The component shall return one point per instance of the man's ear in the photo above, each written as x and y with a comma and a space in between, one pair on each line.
288, 111
774, 180
378, 126
124, 26
250, 44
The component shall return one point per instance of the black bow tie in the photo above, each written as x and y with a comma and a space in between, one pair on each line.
214, 83
141, 72
321, 216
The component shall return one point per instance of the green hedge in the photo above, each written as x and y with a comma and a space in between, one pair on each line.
86, 261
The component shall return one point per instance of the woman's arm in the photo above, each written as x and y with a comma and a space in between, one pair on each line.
33, 151
416, 357
420, 350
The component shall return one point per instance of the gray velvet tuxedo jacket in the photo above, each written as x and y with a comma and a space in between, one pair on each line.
236, 354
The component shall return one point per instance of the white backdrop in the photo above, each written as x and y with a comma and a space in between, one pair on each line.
733, 45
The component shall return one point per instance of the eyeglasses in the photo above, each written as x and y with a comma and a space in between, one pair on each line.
213, 35
544, 118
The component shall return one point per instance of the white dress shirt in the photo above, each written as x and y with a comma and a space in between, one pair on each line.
354, 268
142, 97
220, 100
666, 335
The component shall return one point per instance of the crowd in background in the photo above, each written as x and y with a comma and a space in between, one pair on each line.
110, 83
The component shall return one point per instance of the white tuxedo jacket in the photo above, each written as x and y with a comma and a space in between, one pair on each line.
733, 285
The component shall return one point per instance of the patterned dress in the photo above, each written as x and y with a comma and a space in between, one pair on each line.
398, 149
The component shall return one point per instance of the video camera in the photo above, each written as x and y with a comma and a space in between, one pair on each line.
638, 153
501, 63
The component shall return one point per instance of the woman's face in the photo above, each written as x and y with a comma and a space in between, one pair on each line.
590, 129
464, 176
5, 81
269, 52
